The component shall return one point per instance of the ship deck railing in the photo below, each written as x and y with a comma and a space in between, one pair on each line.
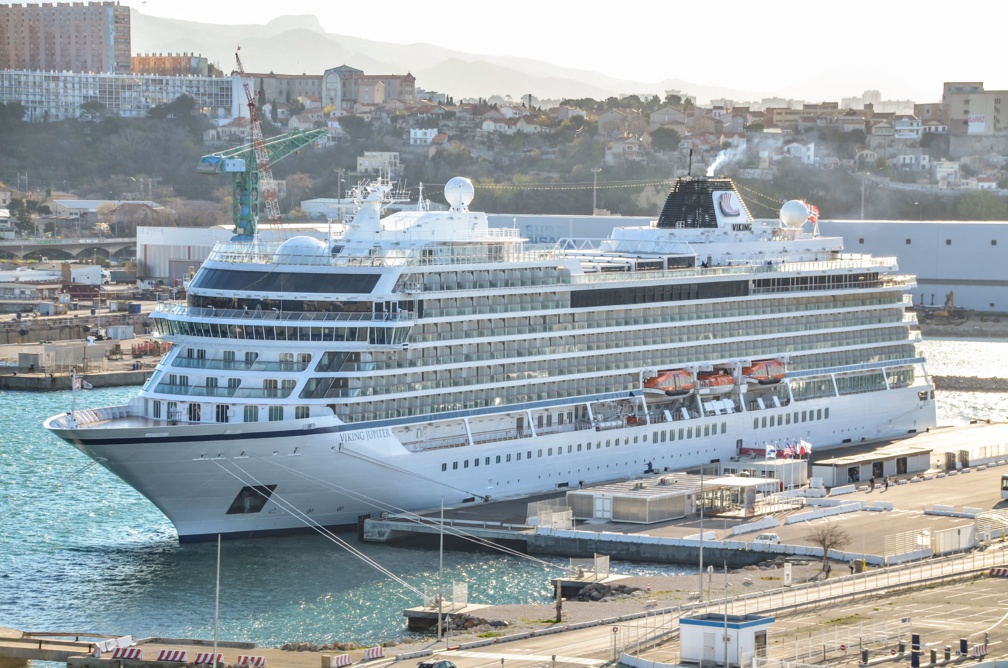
182, 310
491, 249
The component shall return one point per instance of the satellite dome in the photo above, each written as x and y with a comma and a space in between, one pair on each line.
301, 250
794, 213
459, 191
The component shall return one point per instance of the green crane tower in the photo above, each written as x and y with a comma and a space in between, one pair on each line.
241, 163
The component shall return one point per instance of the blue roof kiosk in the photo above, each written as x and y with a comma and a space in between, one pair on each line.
712, 638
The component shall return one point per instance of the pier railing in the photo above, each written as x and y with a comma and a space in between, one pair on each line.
660, 624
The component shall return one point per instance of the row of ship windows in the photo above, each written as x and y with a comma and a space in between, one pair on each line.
564, 364
561, 363
655, 314
193, 412
376, 336
399, 407
619, 318
785, 418
664, 436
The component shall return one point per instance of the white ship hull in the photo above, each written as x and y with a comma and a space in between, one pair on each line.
332, 478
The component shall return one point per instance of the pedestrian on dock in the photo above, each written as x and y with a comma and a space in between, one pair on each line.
886, 487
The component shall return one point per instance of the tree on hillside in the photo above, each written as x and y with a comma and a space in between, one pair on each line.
183, 106
829, 536
93, 110
11, 113
356, 127
297, 185
982, 205
665, 139
26, 213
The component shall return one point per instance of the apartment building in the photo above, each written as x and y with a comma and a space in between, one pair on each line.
65, 37
56, 96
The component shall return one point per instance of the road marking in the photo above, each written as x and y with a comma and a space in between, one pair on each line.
528, 657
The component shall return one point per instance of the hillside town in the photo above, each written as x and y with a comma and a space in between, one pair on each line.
957, 143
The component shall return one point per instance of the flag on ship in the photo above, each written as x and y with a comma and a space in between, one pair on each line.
813, 213
771, 451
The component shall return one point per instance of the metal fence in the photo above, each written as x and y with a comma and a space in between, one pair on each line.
660, 625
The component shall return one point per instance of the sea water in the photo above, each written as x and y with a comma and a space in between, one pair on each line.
82, 552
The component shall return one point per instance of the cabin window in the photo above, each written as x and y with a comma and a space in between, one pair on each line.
498, 459
755, 423
826, 413
804, 415
454, 466
528, 455
276, 413
519, 456
157, 410
465, 464
538, 453
509, 457
818, 414
300, 412
444, 466
251, 413
476, 462
194, 412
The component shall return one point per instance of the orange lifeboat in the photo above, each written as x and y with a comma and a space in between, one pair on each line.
675, 383
765, 372
715, 382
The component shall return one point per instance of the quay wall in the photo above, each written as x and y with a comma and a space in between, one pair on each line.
644, 548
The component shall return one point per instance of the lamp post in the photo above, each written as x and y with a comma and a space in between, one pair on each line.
595, 171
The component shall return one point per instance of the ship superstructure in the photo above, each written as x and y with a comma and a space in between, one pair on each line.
424, 356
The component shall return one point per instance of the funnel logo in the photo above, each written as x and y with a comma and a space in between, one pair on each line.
727, 204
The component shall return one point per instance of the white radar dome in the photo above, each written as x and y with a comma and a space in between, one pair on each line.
459, 191
301, 250
794, 213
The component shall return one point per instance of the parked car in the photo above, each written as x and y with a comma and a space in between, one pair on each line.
435, 663
770, 538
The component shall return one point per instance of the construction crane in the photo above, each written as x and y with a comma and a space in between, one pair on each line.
243, 164
254, 179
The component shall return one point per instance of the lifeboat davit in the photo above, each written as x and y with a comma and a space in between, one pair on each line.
675, 383
715, 382
765, 372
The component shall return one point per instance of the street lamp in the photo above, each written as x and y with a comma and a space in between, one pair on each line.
595, 171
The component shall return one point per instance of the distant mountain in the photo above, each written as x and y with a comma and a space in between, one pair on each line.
300, 45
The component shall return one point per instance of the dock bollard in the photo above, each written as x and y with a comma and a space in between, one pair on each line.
902, 647
948, 653
963, 647
864, 657
934, 656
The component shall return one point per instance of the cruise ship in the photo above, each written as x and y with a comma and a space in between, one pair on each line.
424, 357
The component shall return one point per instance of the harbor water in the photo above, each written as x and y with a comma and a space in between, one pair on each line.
82, 552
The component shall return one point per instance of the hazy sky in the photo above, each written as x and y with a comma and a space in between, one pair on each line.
902, 49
